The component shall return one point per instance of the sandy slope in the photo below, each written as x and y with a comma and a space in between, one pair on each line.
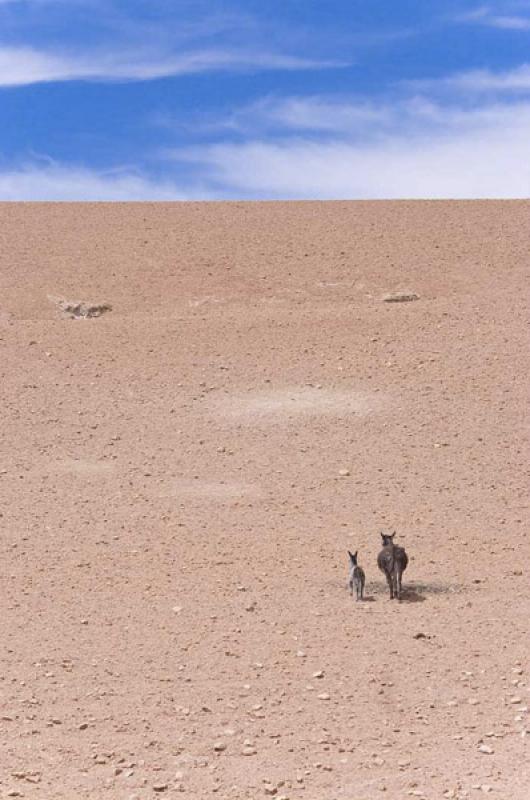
174, 523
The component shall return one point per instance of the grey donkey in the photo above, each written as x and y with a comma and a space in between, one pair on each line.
392, 560
356, 576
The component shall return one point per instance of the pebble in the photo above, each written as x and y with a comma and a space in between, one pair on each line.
248, 750
318, 674
515, 700
219, 747
400, 297
160, 787
344, 473
485, 748
323, 696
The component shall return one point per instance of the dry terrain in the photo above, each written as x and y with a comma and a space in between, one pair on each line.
181, 477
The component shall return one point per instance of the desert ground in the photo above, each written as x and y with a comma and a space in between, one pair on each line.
181, 478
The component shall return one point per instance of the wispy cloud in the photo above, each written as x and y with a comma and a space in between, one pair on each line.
437, 153
484, 80
25, 65
484, 16
70, 183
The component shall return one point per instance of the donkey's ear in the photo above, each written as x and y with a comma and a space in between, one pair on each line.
352, 557
355, 554
382, 535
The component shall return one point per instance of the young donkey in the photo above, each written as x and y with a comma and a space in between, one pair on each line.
392, 560
356, 576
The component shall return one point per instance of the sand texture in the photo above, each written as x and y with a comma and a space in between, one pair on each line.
204, 406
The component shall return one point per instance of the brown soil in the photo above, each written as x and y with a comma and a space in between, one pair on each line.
175, 523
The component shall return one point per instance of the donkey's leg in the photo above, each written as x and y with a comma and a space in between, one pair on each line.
398, 583
390, 584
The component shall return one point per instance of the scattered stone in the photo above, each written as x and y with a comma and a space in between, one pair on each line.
160, 787
486, 749
219, 747
83, 726
83, 310
270, 790
323, 696
318, 674
248, 750
400, 297
344, 473
515, 700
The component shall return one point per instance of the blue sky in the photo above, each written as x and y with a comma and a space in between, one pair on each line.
240, 99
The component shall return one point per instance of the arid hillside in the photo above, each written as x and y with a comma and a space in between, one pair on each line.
183, 471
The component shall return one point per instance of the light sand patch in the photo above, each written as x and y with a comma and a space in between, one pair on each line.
216, 491
82, 468
303, 401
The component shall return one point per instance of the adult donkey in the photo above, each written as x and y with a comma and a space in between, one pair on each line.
392, 560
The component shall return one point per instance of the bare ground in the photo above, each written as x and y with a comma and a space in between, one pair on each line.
175, 515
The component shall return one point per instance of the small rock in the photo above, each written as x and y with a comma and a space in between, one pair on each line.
318, 674
219, 747
323, 696
400, 297
160, 787
344, 473
248, 750
515, 700
270, 790
486, 749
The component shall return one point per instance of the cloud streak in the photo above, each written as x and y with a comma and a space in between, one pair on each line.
20, 66
484, 80
61, 182
483, 16
430, 152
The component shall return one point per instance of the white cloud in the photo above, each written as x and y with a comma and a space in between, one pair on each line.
510, 23
59, 182
484, 80
437, 153
484, 16
25, 65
